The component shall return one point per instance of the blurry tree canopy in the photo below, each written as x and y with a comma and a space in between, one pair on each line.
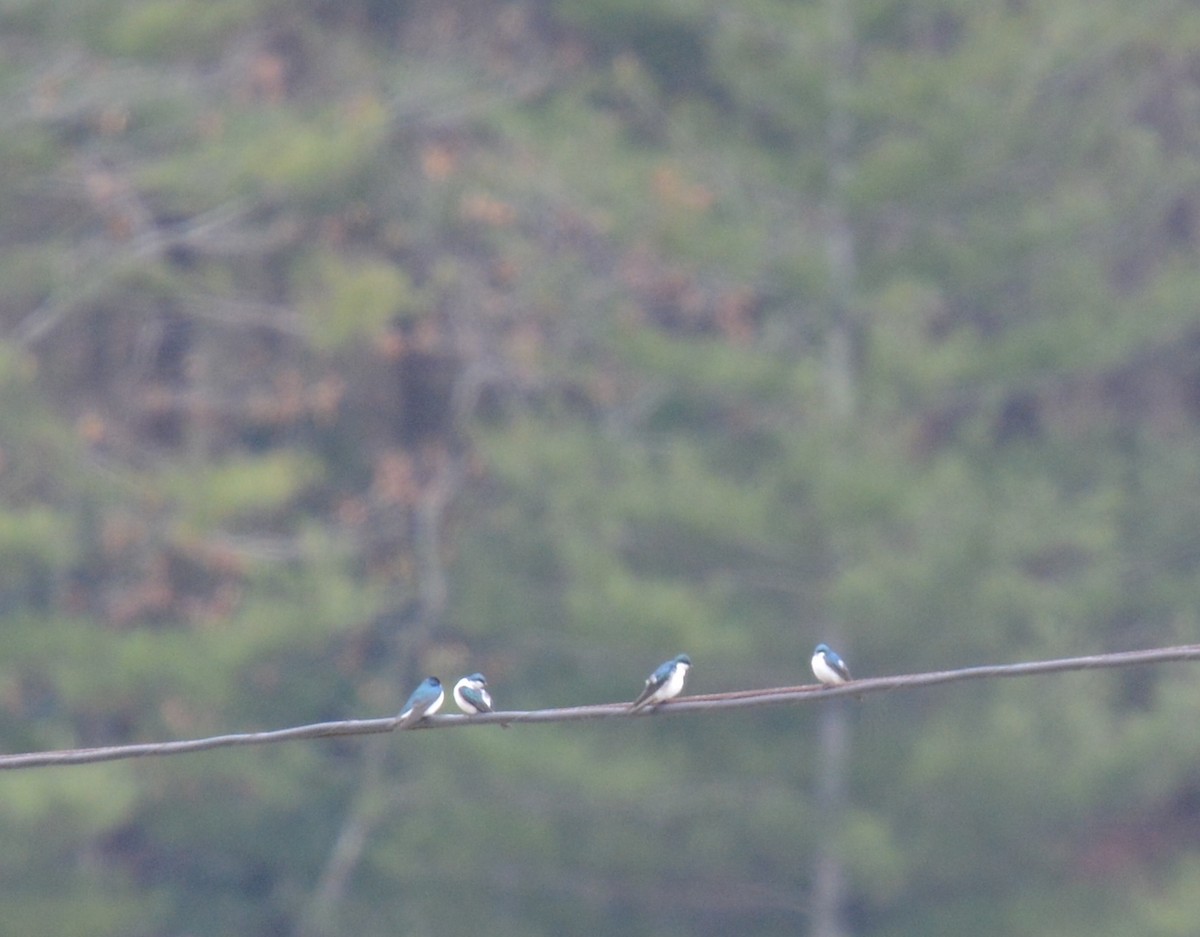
342, 343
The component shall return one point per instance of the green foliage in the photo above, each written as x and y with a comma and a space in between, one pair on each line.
168, 29
239, 486
310, 156
354, 297
348, 343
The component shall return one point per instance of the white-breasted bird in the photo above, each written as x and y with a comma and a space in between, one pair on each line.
827, 667
426, 699
471, 695
666, 682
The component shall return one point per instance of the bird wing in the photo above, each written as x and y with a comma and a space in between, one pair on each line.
418, 706
477, 699
412, 713
653, 684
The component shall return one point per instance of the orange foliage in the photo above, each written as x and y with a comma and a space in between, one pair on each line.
438, 162
674, 191
487, 209
394, 481
268, 77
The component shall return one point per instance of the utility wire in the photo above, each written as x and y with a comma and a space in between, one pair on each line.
740, 699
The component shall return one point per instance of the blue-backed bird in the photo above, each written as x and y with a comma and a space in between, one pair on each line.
827, 667
471, 695
425, 701
664, 683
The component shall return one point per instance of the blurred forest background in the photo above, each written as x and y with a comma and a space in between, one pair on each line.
346, 341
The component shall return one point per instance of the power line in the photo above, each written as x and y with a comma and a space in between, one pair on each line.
740, 699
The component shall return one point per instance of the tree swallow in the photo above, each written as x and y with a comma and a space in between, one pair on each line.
471, 695
664, 683
827, 667
425, 701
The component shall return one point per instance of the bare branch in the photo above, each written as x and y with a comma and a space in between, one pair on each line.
740, 699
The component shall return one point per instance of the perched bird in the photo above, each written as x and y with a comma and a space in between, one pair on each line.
827, 667
425, 701
664, 683
471, 695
